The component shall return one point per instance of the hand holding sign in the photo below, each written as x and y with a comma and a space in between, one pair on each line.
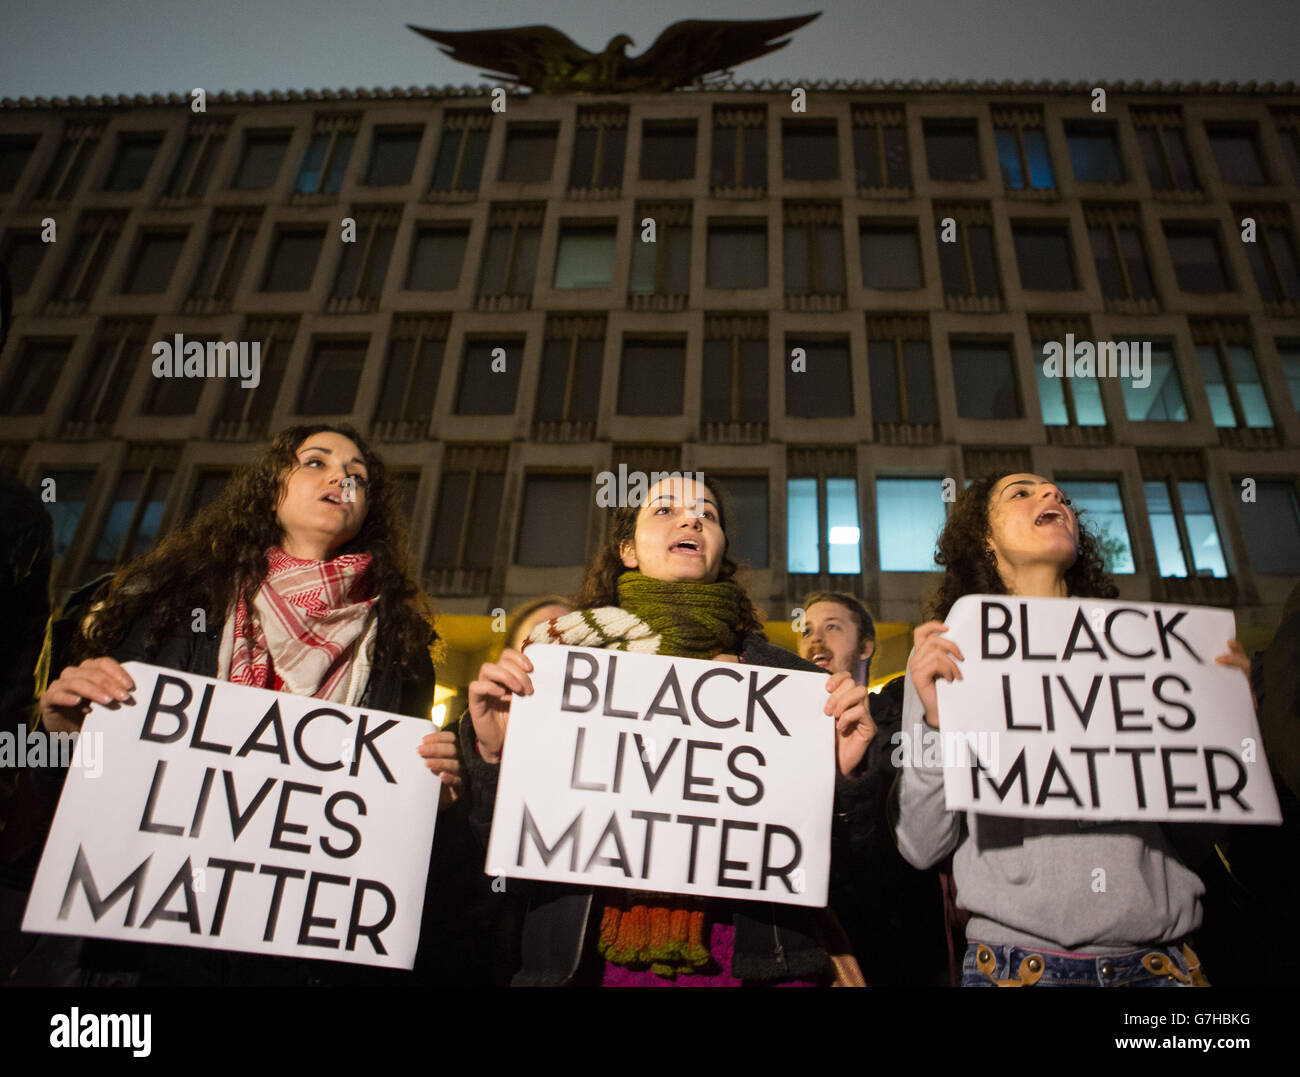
933, 657
97, 680
854, 727
489, 700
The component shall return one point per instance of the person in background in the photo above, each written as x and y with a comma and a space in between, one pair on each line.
528, 615
892, 913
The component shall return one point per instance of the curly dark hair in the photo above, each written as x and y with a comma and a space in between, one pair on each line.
600, 585
220, 555
970, 567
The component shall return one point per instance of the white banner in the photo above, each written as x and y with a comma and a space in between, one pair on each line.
234, 818
1088, 708
667, 774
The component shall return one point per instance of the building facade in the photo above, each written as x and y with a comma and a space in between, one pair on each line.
836, 298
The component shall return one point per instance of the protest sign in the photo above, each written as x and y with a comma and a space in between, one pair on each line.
667, 774
1098, 709
235, 818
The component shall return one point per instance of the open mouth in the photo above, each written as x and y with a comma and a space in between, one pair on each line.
1051, 516
823, 660
333, 498
686, 546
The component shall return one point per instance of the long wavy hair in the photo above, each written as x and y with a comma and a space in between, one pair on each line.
600, 585
971, 568
220, 556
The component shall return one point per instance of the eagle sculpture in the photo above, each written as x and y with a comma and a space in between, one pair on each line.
548, 61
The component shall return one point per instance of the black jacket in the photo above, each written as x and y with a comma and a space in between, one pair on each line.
772, 943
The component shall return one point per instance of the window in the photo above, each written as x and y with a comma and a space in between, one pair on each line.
823, 506
193, 168
71, 491
530, 152
1271, 524
15, 152
1164, 149
739, 148
1162, 400
737, 254
984, 380
364, 263
1197, 257
553, 521
599, 147
952, 150
747, 518
1182, 524
484, 390
437, 255
133, 518
466, 520
333, 374
411, 375
1115, 236
247, 412
392, 156
1236, 151
568, 390
156, 255
1232, 381
735, 372
1288, 351
108, 372
225, 255
462, 150
92, 246
814, 250
652, 377
22, 256
584, 257
909, 516
208, 485
880, 148
70, 163
132, 161
1288, 132
968, 264
891, 255
824, 389
902, 372
1045, 256
32, 376
326, 160
259, 164
667, 150
173, 397
664, 266
510, 253
810, 150
1066, 401
1102, 509
1094, 153
1273, 254
1023, 155
293, 260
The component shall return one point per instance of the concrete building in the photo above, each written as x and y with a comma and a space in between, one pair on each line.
835, 300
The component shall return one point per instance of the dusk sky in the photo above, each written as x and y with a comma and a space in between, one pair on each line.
62, 47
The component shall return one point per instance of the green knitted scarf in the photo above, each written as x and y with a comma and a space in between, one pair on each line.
695, 620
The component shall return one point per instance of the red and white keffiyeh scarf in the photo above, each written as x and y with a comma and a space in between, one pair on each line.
310, 631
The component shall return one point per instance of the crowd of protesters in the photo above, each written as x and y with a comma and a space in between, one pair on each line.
303, 569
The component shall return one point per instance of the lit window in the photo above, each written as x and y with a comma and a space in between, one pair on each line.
910, 515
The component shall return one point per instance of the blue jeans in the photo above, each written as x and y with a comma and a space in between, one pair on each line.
1169, 965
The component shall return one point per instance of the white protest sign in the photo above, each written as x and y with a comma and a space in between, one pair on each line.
235, 818
1089, 708
667, 774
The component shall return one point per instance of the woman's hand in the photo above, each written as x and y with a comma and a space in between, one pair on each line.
933, 657
489, 699
66, 701
439, 752
854, 728
1237, 658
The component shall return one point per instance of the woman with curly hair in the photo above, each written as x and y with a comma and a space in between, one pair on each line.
661, 584
1029, 884
302, 571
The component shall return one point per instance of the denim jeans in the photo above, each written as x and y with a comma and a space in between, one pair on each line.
1168, 965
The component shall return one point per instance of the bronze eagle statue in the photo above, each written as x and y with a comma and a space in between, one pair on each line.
549, 61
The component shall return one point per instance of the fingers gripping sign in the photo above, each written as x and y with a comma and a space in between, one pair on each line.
933, 657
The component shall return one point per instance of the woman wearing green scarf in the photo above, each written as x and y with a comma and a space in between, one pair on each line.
662, 584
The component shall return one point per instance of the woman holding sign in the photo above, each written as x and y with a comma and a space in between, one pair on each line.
1051, 901
662, 582
297, 579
